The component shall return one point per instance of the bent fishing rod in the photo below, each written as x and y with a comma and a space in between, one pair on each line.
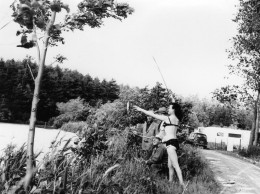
128, 103
161, 75
169, 93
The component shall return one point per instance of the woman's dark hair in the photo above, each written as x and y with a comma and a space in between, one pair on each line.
177, 110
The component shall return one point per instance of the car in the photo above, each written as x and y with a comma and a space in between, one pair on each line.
197, 139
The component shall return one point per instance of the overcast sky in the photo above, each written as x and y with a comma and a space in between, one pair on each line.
188, 39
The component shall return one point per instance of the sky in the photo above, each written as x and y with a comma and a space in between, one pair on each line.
187, 38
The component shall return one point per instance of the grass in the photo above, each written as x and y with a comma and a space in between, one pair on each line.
110, 169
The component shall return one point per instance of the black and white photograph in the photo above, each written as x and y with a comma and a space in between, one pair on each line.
130, 96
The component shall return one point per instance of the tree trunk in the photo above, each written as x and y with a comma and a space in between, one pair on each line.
31, 134
252, 135
257, 120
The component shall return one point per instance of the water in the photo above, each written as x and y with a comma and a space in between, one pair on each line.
17, 134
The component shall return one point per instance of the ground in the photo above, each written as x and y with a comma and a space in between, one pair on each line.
236, 176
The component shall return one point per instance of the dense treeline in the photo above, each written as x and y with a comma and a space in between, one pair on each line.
63, 85
207, 112
58, 85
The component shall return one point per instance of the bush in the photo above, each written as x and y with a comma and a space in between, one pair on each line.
250, 152
75, 127
111, 115
73, 110
115, 168
13, 167
62, 119
93, 142
5, 115
190, 162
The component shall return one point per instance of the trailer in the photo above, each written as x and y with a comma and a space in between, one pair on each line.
226, 136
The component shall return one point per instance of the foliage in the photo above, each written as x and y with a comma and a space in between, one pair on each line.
92, 12
231, 98
227, 95
37, 14
115, 170
159, 97
246, 45
192, 163
245, 53
59, 85
74, 105
200, 109
221, 113
111, 115
244, 119
73, 110
33, 16
251, 152
92, 142
151, 99
16, 92
116, 115
13, 165
75, 127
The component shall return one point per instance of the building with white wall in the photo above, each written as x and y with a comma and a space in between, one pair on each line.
234, 137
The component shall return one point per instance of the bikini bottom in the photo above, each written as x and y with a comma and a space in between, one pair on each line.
172, 142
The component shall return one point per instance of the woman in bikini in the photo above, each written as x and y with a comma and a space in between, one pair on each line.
170, 124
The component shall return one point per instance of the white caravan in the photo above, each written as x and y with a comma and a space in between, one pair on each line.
231, 137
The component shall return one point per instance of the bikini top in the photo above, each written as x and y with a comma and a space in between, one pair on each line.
169, 124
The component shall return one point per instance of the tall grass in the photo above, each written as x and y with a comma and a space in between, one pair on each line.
252, 152
114, 169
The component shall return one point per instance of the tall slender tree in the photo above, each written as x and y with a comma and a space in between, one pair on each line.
246, 55
39, 16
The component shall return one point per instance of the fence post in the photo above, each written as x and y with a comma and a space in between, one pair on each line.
221, 145
215, 143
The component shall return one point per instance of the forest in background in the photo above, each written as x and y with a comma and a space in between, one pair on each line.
88, 95
59, 85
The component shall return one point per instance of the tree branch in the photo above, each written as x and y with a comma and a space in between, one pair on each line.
30, 71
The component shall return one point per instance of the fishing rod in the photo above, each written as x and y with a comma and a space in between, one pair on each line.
128, 103
161, 74
136, 133
162, 78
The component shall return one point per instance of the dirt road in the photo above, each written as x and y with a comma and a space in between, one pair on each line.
236, 176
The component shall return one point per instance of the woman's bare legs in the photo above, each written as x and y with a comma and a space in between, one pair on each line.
171, 170
173, 163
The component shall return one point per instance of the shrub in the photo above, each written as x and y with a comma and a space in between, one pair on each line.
111, 115
115, 168
93, 141
13, 168
62, 119
190, 162
75, 127
73, 110
5, 114
251, 152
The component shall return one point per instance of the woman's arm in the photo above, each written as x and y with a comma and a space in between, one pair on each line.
150, 113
